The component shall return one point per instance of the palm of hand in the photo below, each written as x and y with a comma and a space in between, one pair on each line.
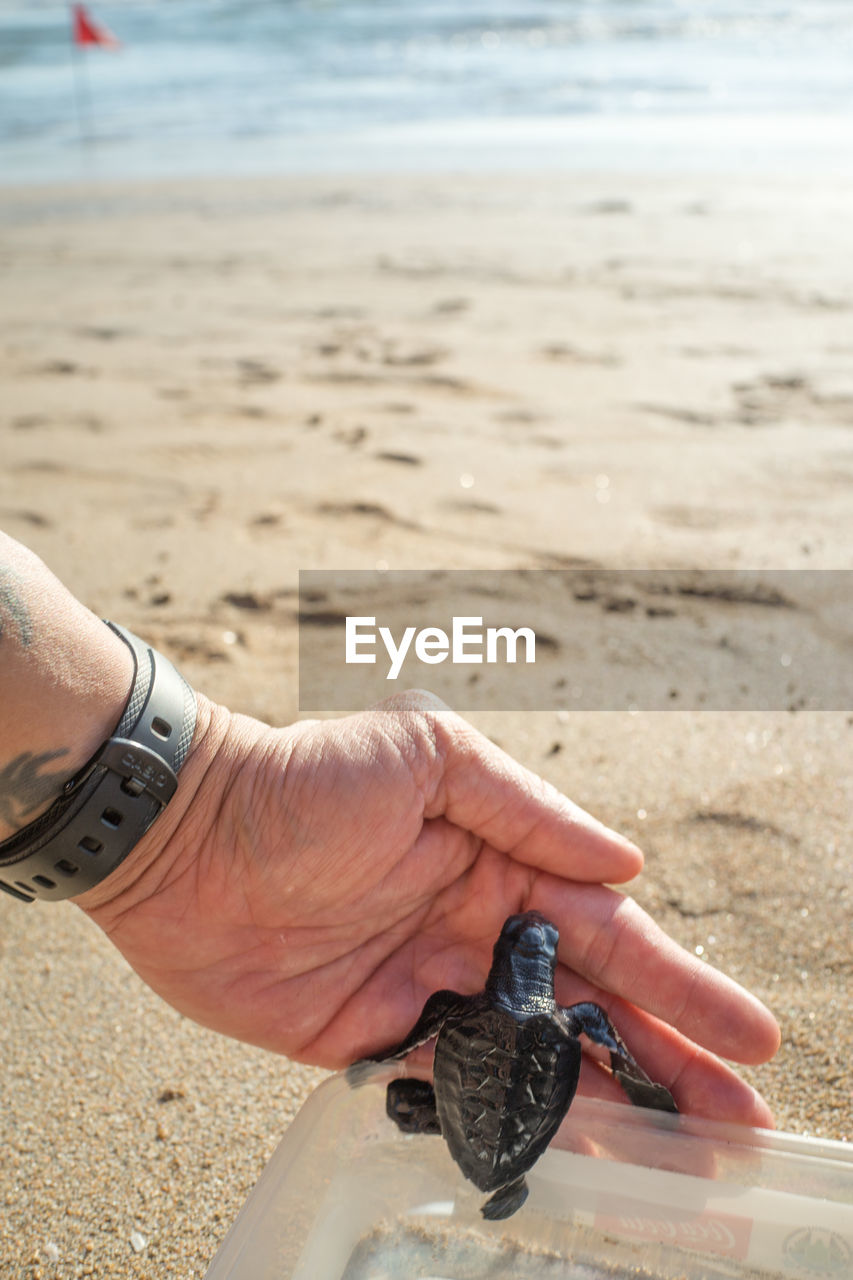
350, 868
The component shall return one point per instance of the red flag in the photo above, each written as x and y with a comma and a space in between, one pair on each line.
87, 31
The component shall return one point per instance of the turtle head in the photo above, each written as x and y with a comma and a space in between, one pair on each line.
523, 964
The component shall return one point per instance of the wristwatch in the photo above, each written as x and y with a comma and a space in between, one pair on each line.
109, 804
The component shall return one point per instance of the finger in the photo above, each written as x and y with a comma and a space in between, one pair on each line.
481, 788
606, 937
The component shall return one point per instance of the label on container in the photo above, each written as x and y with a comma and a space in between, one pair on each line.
818, 1252
772, 1241
722, 1234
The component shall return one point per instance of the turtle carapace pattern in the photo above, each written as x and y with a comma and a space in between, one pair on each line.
506, 1065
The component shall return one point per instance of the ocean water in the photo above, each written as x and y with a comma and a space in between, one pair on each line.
222, 86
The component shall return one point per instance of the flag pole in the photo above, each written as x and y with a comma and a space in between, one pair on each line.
83, 32
82, 98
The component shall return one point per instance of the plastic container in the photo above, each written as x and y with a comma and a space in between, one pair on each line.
621, 1193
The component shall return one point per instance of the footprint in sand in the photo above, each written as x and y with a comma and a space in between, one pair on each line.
266, 520
33, 518
569, 354
371, 510
734, 820
405, 459
779, 397
451, 306
254, 372
444, 382
520, 417
611, 206
62, 368
677, 413
471, 505
690, 517
252, 601
419, 358
254, 411
28, 421
351, 436
321, 618
398, 406
103, 333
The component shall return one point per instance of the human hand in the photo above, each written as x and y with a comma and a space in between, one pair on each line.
309, 887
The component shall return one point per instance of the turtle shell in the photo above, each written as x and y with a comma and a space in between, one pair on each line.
502, 1085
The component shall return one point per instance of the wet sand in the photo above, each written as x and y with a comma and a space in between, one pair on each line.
208, 387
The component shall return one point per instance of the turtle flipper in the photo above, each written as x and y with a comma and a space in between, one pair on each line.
410, 1103
433, 1014
643, 1092
506, 1201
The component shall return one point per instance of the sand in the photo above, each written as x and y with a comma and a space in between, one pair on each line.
210, 386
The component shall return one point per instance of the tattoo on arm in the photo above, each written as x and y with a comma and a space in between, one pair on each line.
25, 787
12, 607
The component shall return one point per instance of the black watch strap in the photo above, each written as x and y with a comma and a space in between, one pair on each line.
110, 803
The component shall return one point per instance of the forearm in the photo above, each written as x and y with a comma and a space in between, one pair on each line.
64, 680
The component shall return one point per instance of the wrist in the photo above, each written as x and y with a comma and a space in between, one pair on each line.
160, 853
105, 809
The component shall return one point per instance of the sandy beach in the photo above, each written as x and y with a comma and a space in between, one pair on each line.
210, 386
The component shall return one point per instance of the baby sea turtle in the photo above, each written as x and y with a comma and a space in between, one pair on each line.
506, 1065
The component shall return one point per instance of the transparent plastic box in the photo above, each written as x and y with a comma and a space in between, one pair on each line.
622, 1192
